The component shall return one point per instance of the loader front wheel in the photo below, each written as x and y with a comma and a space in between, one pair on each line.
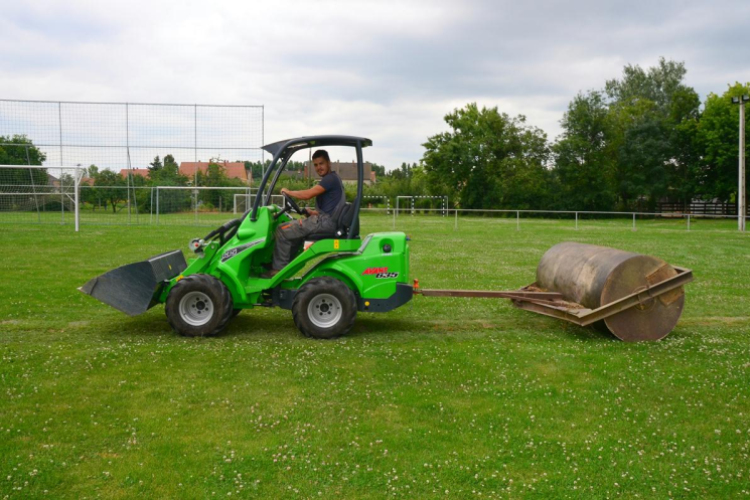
324, 308
199, 306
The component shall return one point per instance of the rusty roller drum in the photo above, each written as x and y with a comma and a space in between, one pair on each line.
594, 276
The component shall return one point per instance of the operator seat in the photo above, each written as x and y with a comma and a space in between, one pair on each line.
346, 218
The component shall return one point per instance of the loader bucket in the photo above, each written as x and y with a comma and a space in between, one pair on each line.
133, 288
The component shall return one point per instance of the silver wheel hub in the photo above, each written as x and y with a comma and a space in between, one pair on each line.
196, 309
324, 310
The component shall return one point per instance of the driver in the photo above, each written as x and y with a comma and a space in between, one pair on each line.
328, 194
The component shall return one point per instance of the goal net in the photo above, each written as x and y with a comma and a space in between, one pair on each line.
36, 194
244, 202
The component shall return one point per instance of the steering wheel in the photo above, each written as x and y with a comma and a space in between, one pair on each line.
291, 204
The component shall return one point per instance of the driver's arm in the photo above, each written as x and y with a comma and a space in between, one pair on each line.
305, 194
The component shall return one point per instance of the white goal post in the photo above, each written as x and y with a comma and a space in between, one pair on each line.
35, 193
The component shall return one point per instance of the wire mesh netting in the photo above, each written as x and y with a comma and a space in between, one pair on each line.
38, 194
245, 201
126, 150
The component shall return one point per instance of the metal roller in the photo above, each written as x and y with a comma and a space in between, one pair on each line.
595, 276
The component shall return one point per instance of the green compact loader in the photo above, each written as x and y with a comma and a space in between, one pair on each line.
332, 277
635, 297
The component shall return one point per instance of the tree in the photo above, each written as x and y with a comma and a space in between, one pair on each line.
115, 184
490, 159
652, 113
631, 144
20, 150
155, 165
718, 134
378, 169
583, 164
215, 176
167, 173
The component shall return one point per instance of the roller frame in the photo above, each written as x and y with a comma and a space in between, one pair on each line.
552, 303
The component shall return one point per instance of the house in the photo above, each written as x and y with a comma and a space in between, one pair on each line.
142, 172
347, 172
232, 169
55, 182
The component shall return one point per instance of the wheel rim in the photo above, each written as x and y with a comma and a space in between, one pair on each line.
324, 310
196, 309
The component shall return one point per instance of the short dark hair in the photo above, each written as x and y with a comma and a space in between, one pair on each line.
321, 153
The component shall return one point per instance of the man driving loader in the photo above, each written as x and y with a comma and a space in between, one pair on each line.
329, 197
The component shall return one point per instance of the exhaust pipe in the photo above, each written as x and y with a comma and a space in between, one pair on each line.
134, 288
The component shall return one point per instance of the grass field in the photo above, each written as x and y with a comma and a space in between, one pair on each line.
449, 398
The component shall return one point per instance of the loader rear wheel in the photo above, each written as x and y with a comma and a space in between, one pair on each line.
324, 308
199, 306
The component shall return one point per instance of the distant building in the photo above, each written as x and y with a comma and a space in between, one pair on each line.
347, 172
233, 170
55, 182
143, 172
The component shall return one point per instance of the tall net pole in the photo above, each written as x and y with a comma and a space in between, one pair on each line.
741, 195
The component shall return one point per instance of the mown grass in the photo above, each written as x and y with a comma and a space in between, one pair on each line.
454, 398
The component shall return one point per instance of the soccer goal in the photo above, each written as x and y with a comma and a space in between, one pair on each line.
36, 194
377, 202
412, 204
244, 202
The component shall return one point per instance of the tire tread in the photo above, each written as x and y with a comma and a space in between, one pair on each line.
205, 282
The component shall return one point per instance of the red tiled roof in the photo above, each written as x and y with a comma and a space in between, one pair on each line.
143, 172
233, 170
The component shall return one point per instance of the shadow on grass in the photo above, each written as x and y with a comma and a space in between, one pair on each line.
278, 324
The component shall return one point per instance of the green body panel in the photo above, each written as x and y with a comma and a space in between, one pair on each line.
364, 265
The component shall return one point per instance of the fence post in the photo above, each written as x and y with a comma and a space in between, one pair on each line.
633, 221
518, 220
62, 161
455, 224
151, 208
688, 227
157, 205
77, 187
576, 221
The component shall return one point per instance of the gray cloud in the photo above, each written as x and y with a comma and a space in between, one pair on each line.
386, 70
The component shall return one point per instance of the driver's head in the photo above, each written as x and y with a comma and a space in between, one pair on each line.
321, 162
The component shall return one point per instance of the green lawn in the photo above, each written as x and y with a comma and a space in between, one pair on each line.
450, 398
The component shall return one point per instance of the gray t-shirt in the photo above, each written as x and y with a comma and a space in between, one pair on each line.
328, 201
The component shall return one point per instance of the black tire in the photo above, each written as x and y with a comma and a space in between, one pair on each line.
199, 306
324, 308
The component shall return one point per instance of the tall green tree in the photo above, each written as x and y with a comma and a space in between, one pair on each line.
718, 134
584, 167
646, 107
155, 165
20, 150
632, 144
489, 159
114, 188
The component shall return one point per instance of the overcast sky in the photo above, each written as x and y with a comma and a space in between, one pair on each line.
389, 71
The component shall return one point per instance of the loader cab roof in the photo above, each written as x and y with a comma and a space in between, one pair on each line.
282, 151
315, 141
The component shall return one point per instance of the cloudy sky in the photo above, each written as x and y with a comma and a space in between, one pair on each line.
385, 70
